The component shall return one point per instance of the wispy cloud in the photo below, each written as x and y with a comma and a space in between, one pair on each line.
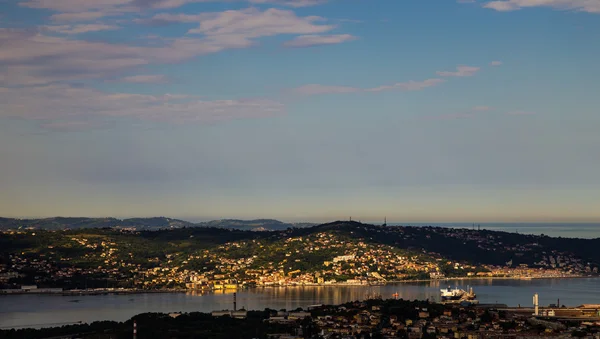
590, 6
169, 18
461, 71
78, 16
315, 89
482, 108
65, 107
316, 40
254, 23
290, 3
145, 79
92, 9
496, 63
76, 126
79, 29
31, 58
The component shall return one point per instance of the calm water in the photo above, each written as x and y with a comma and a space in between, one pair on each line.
565, 230
46, 310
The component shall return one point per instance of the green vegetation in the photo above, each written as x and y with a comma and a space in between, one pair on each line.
116, 257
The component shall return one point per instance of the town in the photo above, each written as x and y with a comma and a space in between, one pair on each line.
340, 254
369, 318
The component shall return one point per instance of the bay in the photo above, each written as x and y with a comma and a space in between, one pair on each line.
17, 311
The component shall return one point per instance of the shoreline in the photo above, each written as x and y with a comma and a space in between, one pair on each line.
175, 291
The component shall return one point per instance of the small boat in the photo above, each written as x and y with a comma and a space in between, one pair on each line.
395, 295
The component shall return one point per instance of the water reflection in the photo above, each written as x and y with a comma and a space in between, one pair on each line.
37, 310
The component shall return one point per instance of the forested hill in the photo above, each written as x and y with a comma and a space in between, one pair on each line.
476, 246
100, 257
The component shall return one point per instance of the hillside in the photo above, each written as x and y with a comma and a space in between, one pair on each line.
62, 223
334, 252
139, 224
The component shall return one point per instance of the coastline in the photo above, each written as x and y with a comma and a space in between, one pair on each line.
183, 290
89, 292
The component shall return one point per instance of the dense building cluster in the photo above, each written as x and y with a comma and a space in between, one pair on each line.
214, 259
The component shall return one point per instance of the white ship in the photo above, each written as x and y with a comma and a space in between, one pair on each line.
457, 294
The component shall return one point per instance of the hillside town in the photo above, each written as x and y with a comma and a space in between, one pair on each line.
84, 261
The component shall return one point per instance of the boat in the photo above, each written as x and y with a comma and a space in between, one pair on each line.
457, 295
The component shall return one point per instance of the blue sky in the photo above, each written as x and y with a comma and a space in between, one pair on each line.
301, 109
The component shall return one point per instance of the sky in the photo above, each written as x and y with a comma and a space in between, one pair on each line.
301, 110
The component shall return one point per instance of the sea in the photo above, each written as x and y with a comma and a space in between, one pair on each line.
38, 311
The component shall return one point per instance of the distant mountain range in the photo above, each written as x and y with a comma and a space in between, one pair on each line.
254, 225
149, 224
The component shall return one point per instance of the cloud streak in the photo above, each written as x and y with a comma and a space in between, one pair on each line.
64, 107
145, 79
316, 89
94, 9
253, 23
590, 6
79, 29
32, 58
461, 71
317, 40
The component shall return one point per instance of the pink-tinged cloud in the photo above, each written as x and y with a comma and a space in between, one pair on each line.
145, 79
79, 29
32, 59
169, 18
290, 3
496, 63
317, 40
315, 89
590, 6
252, 23
461, 71
66, 107
78, 16
76, 126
